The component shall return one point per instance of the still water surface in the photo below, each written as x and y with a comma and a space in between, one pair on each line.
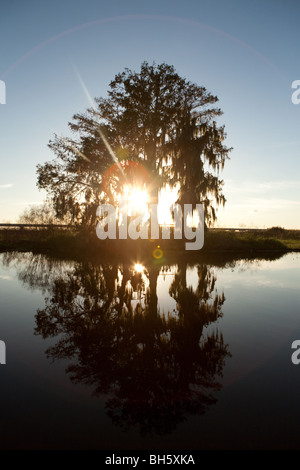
149, 356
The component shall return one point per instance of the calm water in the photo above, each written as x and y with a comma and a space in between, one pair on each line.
158, 356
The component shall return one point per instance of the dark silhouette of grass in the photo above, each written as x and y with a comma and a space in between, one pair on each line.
83, 243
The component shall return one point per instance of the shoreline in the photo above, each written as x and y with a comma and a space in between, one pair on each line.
86, 246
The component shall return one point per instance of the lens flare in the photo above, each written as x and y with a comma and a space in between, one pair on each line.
158, 253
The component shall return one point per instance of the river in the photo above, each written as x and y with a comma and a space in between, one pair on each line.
176, 355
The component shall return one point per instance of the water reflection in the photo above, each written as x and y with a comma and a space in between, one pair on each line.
155, 368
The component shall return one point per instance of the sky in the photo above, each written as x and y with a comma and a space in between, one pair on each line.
246, 52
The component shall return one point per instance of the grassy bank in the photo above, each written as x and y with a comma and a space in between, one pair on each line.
74, 242
273, 239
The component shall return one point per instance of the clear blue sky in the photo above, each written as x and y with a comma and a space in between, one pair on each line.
244, 51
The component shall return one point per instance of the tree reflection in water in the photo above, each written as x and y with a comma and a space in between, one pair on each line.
156, 369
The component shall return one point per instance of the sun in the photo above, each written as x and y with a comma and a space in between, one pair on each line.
139, 268
137, 200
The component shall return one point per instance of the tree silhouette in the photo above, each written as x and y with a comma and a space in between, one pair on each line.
152, 117
40, 214
156, 369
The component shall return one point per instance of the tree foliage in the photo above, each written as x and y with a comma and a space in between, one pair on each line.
153, 117
40, 214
